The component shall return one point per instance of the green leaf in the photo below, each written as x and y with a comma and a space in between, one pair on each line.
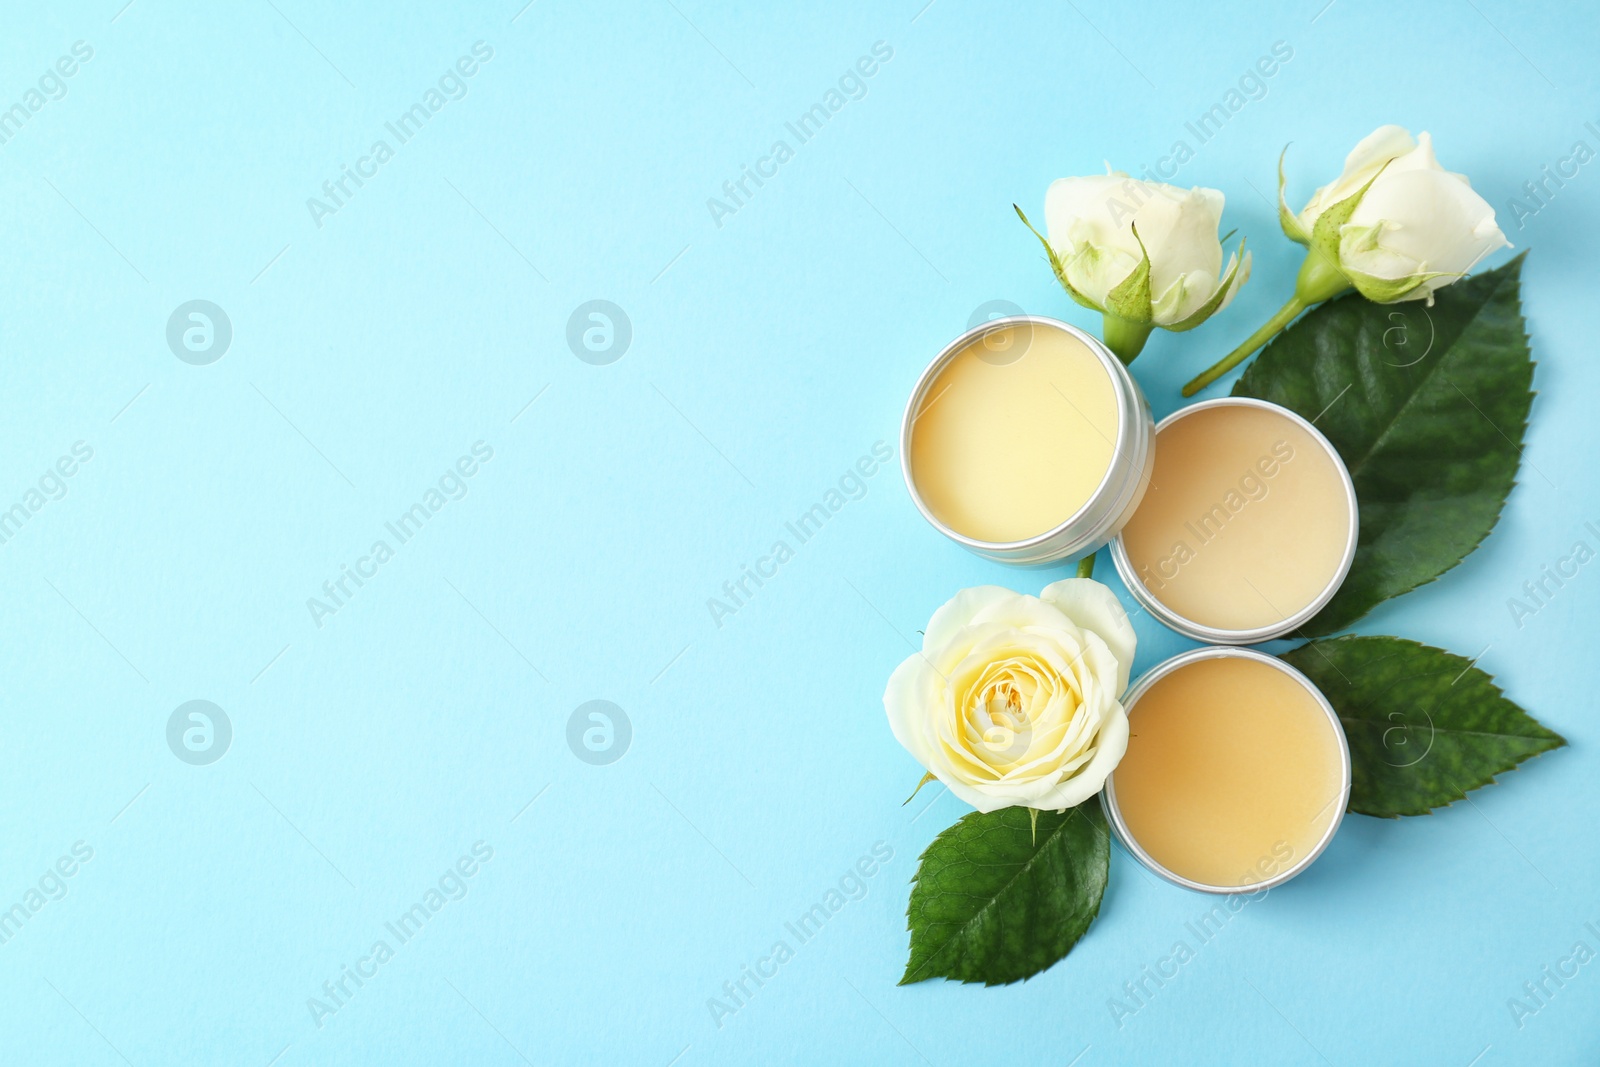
1424, 725
1427, 405
993, 903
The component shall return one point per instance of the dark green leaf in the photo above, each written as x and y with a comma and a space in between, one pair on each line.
1427, 406
1424, 725
996, 900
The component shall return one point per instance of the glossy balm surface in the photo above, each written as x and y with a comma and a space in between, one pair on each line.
1233, 772
1246, 520
1015, 434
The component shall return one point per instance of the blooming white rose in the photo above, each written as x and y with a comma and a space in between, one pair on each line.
1399, 225
1015, 699
1142, 253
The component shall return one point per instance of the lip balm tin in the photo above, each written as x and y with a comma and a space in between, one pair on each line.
1218, 636
1130, 701
1120, 490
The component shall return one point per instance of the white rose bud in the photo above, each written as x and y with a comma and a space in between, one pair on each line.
1399, 225
1394, 226
1141, 253
1015, 700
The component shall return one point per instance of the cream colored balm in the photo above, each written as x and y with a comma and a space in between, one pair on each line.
1247, 519
1015, 434
1233, 774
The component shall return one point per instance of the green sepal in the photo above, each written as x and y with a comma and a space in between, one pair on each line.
1209, 308
1384, 290
1131, 298
1389, 290
1325, 232
1286, 218
926, 778
1056, 264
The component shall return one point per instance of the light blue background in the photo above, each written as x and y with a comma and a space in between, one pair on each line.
768, 354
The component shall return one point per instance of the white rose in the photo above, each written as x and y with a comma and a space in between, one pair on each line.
1142, 253
1395, 226
1399, 225
1014, 699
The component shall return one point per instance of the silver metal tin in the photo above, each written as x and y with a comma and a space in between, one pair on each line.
1130, 702
1214, 635
1112, 503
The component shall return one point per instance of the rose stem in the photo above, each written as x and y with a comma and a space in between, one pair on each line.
1268, 331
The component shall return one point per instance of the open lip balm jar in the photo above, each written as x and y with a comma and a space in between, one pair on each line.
1237, 772
1026, 441
1249, 525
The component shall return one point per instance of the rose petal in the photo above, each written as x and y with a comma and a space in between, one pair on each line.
1180, 235
1379, 147
913, 689
958, 612
1109, 750
1427, 221
1096, 609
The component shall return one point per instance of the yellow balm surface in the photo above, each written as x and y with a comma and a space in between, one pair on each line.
1245, 521
1015, 434
1233, 772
